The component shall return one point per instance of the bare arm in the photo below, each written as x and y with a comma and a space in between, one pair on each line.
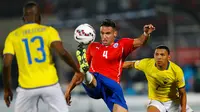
7, 61
76, 78
128, 64
58, 46
183, 98
73, 83
141, 40
8, 95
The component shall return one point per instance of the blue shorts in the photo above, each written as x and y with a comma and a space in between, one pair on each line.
107, 89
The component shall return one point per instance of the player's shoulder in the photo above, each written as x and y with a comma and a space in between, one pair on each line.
148, 60
124, 39
50, 28
14, 32
47, 27
175, 67
94, 44
145, 61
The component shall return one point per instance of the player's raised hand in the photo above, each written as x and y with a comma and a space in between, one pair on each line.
149, 28
8, 96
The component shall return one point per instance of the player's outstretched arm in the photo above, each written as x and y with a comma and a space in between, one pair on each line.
58, 46
183, 99
78, 77
128, 64
71, 86
148, 29
8, 95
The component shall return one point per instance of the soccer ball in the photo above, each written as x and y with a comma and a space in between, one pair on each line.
84, 34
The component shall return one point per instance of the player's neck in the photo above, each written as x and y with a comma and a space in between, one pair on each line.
31, 22
108, 44
164, 67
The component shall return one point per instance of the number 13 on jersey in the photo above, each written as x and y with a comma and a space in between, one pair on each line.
40, 49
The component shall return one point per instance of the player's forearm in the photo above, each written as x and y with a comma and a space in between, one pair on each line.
6, 77
141, 40
71, 85
183, 100
68, 59
146, 38
128, 64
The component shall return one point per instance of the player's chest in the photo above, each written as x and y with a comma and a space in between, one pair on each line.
164, 77
107, 52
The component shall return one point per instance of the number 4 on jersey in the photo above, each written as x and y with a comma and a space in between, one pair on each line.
105, 54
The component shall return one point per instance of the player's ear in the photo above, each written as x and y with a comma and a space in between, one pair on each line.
115, 33
169, 57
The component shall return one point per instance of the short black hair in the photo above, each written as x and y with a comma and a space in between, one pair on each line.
108, 23
29, 4
164, 47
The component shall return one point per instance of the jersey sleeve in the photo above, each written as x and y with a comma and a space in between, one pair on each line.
141, 64
180, 80
8, 46
53, 36
127, 45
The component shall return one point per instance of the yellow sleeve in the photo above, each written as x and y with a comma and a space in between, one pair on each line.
8, 46
180, 80
141, 64
53, 36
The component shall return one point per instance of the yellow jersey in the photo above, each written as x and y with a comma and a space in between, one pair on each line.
31, 45
162, 84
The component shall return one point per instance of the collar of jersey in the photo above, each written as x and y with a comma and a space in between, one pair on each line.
116, 40
31, 23
167, 65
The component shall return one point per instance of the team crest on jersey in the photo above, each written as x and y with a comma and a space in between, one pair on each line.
115, 45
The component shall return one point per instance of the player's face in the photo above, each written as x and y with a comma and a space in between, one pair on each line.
108, 35
161, 57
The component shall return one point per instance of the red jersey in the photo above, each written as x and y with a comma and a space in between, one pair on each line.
108, 60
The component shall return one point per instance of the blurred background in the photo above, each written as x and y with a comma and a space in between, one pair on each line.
177, 25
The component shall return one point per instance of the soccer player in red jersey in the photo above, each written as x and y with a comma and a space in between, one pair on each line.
105, 59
